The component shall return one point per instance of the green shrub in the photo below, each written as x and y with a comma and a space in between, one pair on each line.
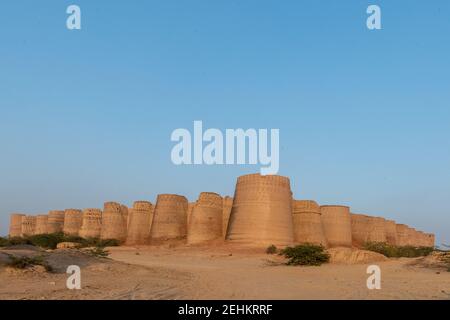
46, 241
18, 241
4, 242
306, 255
26, 262
391, 251
50, 241
381, 247
413, 252
271, 249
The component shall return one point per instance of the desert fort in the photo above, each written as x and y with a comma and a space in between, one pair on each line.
261, 213
217, 248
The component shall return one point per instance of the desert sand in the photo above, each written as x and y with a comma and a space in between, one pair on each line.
220, 272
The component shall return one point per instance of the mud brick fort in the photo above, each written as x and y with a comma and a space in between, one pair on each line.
261, 213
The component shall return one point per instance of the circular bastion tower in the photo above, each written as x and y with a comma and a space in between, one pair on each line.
114, 222
337, 225
377, 231
170, 218
15, 225
91, 225
28, 225
262, 211
307, 220
140, 218
55, 222
41, 224
73, 218
205, 223
360, 229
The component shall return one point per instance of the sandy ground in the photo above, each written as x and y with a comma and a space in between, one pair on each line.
220, 272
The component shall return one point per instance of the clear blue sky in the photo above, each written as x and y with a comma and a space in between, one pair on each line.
364, 116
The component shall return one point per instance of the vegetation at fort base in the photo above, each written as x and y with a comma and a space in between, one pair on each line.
305, 255
4, 242
50, 241
391, 251
18, 262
